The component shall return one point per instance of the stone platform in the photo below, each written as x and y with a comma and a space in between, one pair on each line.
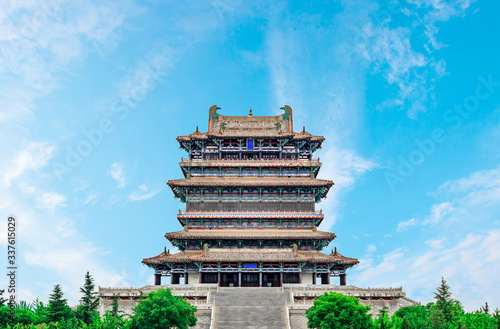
282, 307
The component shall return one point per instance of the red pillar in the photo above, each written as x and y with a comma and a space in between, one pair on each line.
314, 278
186, 278
157, 279
281, 279
218, 279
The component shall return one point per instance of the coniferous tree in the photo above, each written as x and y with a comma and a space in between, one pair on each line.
485, 309
115, 312
496, 316
57, 308
383, 319
444, 302
2, 300
90, 300
443, 293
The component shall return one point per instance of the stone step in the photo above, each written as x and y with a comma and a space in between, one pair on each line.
250, 308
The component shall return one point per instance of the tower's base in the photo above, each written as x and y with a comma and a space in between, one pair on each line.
212, 301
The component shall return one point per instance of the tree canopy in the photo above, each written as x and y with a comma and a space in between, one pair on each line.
161, 309
335, 310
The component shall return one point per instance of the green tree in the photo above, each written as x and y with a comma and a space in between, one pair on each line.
89, 301
24, 313
477, 320
334, 310
496, 317
413, 317
2, 300
57, 308
161, 309
40, 311
450, 308
115, 312
485, 309
383, 321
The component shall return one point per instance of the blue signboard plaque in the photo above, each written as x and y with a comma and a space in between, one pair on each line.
250, 144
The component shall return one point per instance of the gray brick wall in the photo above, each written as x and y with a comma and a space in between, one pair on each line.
203, 321
298, 320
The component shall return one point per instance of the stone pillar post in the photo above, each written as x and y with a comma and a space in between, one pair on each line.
260, 279
239, 279
157, 279
343, 280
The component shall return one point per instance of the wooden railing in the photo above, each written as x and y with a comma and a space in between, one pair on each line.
248, 160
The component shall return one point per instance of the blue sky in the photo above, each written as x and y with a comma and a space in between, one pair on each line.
407, 94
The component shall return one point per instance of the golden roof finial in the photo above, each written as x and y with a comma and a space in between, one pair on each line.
250, 113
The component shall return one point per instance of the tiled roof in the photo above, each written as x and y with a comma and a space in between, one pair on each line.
249, 233
253, 134
250, 181
250, 255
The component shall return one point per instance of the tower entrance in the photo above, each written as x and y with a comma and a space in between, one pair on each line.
249, 279
271, 280
229, 280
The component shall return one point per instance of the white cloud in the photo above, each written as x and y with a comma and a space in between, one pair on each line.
51, 201
91, 198
402, 226
436, 244
468, 266
116, 171
142, 193
371, 249
480, 187
437, 213
437, 11
35, 156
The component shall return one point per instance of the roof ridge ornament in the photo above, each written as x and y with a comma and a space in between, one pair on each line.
213, 112
250, 113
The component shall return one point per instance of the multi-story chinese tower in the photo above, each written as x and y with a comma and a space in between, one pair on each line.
250, 187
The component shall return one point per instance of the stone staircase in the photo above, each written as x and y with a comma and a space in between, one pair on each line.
250, 308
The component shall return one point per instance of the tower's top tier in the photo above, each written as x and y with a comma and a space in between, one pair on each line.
250, 126
250, 137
